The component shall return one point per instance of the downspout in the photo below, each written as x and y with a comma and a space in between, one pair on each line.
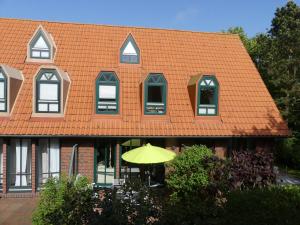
73, 167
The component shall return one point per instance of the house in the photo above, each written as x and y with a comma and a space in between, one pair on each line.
74, 97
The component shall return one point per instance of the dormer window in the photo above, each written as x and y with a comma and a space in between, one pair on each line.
130, 53
208, 96
10, 83
48, 92
155, 94
3, 91
41, 47
107, 93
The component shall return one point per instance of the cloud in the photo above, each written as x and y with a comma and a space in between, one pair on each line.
186, 14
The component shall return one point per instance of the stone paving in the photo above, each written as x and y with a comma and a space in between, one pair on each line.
16, 211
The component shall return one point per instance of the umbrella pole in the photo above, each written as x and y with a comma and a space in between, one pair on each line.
149, 176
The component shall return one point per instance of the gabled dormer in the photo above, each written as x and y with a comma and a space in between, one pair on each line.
10, 84
130, 52
41, 47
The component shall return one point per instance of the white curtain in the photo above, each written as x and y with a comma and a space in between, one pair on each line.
43, 160
107, 92
24, 150
48, 92
18, 159
54, 157
1, 159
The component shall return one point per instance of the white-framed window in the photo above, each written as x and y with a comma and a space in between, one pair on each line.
48, 159
3, 91
48, 87
19, 161
40, 47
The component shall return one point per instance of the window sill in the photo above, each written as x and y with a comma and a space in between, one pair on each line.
36, 60
208, 119
151, 118
100, 117
39, 117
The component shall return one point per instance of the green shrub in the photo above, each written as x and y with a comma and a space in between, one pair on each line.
187, 172
196, 181
277, 205
133, 203
65, 201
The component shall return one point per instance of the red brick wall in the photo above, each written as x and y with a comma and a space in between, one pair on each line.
85, 158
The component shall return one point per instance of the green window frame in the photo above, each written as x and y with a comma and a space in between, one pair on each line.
107, 93
106, 173
129, 57
208, 105
40, 53
48, 77
153, 83
3, 84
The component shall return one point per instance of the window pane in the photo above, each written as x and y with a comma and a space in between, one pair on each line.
48, 92
211, 111
20, 163
2, 106
107, 92
54, 156
53, 107
43, 107
45, 55
207, 96
129, 49
155, 94
41, 43
2, 90
36, 54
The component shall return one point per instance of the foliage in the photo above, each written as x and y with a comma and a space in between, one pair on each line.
277, 205
288, 152
249, 43
133, 203
197, 181
187, 172
65, 201
251, 170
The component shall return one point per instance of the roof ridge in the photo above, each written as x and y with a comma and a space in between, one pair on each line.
120, 26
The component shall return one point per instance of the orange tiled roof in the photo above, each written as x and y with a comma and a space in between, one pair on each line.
245, 105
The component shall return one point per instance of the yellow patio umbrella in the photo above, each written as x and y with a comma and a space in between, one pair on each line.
148, 154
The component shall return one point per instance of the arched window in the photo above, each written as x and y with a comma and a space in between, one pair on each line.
130, 53
48, 87
155, 94
107, 93
3, 91
208, 89
40, 47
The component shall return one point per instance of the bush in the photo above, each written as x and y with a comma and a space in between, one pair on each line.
196, 180
133, 203
251, 170
65, 201
187, 172
277, 205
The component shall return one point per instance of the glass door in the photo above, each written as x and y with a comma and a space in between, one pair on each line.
105, 155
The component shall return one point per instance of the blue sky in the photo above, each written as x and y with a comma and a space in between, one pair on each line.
198, 15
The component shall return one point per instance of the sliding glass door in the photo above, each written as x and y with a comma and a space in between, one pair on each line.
1, 164
105, 155
19, 164
48, 159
